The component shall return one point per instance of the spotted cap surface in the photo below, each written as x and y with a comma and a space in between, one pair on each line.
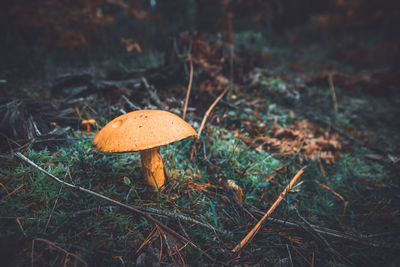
140, 130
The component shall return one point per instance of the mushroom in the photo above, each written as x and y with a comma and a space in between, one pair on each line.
88, 123
144, 131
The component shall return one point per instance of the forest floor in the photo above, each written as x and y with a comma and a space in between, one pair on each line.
332, 108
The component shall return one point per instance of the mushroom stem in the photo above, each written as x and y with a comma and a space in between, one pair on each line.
152, 166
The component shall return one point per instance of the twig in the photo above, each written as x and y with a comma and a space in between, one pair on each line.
346, 203
12, 192
189, 87
324, 241
290, 256
148, 239
57, 247
5, 188
145, 214
181, 217
20, 226
133, 106
153, 94
82, 212
322, 230
391, 233
231, 72
160, 213
313, 259
333, 94
228, 103
19, 218
170, 250
205, 154
315, 118
257, 227
211, 108
183, 229
54, 205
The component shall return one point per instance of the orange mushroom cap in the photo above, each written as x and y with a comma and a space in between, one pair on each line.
88, 122
140, 130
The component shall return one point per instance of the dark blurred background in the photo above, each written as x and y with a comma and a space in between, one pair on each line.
38, 37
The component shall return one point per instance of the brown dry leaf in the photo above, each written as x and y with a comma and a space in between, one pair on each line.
130, 45
231, 185
305, 138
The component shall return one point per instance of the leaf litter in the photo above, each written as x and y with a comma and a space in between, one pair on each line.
304, 138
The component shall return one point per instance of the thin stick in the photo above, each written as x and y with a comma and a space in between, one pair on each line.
148, 216
183, 229
324, 231
178, 217
189, 87
257, 227
12, 192
160, 213
67, 253
290, 255
333, 94
20, 226
312, 260
346, 135
5, 188
133, 106
54, 205
324, 241
211, 108
346, 203
232, 55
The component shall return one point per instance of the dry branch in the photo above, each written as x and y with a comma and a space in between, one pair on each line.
257, 227
333, 95
144, 213
189, 87
211, 108
67, 253
324, 231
